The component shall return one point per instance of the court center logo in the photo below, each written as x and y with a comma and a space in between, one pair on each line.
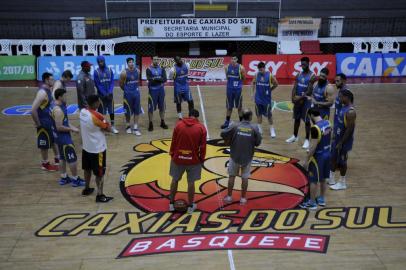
276, 182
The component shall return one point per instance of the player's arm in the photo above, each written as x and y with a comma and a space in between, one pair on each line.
225, 71
173, 142
57, 85
172, 73
99, 87
310, 86
253, 88
203, 142
350, 117
243, 73
149, 75
80, 88
39, 98
101, 123
315, 137
123, 77
274, 83
164, 78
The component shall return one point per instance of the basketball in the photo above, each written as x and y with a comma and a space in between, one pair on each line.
180, 206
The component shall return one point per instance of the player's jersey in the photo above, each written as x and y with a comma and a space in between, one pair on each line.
342, 126
156, 74
234, 78
181, 78
303, 81
63, 138
320, 92
44, 110
337, 107
263, 88
131, 82
324, 130
105, 78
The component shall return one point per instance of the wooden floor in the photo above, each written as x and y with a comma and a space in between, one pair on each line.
30, 198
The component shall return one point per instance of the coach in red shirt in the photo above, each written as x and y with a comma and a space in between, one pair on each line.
188, 150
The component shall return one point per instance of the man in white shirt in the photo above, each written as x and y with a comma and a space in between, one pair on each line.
92, 125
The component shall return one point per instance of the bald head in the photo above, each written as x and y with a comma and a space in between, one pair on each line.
246, 114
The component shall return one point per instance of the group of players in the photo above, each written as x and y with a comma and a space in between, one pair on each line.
312, 97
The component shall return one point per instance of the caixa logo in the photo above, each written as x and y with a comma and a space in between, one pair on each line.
26, 110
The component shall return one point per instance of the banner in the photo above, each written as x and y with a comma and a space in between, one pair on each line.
288, 66
298, 28
196, 28
17, 67
394, 64
57, 64
359, 64
201, 69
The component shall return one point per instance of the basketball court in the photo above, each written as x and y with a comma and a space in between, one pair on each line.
362, 227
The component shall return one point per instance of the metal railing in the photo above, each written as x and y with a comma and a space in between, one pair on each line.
102, 29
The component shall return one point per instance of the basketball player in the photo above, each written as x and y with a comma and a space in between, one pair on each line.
243, 138
61, 84
300, 93
263, 84
317, 161
104, 81
64, 140
340, 82
343, 137
179, 73
156, 76
41, 115
92, 126
323, 95
132, 97
84, 84
235, 74
188, 150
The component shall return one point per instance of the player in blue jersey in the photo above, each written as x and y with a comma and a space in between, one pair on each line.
323, 94
103, 78
156, 77
132, 97
262, 85
343, 137
235, 74
301, 104
62, 130
179, 74
317, 161
41, 115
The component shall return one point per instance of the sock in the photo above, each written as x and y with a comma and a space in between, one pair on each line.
112, 123
342, 179
180, 115
271, 126
228, 118
75, 177
128, 125
332, 175
135, 126
240, 118
64, 175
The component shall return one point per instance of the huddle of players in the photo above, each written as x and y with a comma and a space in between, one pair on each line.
312, 98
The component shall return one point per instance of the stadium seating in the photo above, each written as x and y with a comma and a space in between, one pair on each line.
90, 47
390, 45
376, 45
24, 47
68, 47
106, 47
5, 47
48, 47
310, 47
360, 46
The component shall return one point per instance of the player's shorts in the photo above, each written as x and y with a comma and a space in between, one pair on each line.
235, 168
67, 152
45, 138
132, 104
156, 99
300, 110
263, 109
319, 167
106, 105
340, 157
234, 98
193, 172
179, 96
95, 162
